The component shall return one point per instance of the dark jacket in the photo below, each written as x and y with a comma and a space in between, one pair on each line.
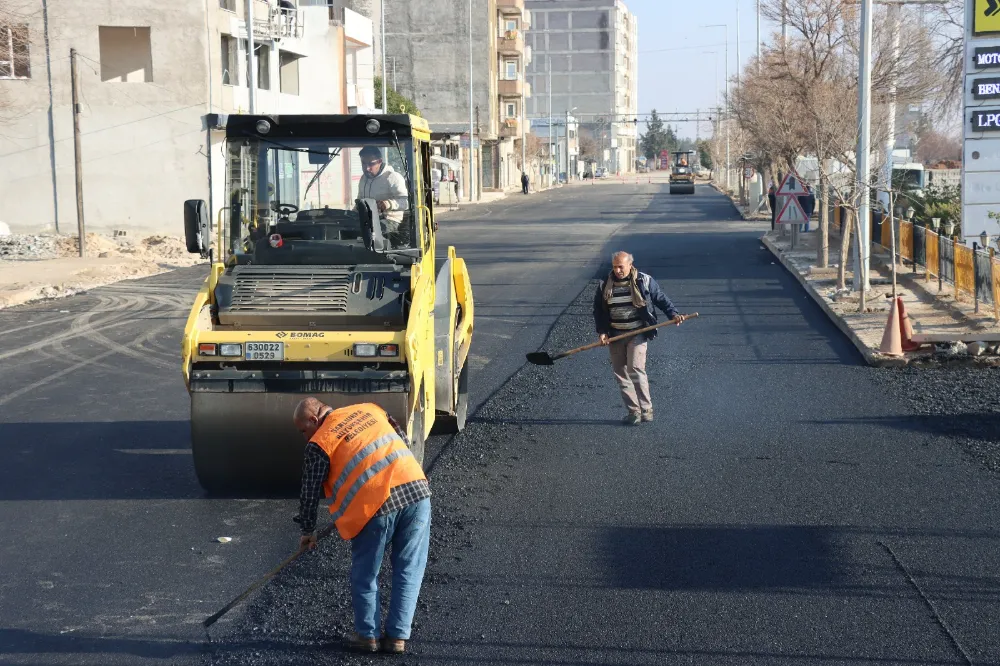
650, 292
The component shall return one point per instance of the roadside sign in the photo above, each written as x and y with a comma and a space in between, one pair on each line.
986, 17
792, 186
748, 173
791, 212
463, 141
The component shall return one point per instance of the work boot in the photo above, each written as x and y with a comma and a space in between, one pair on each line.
631, 419
358, 643
647, 415
393, 645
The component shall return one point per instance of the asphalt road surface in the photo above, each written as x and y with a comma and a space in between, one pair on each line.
784, 507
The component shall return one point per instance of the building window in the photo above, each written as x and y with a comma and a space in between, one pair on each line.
263, 55
229, 5
230, 73
288, 65
511, 110
510, 25
126, 54
510, 70
14, 61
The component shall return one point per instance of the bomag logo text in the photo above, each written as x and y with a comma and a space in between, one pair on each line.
306, 335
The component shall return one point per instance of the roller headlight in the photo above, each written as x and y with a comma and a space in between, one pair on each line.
365, 349
230, 349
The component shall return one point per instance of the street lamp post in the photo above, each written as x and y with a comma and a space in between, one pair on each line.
566, 166
864, 148
726, 26
385, 83
472, 123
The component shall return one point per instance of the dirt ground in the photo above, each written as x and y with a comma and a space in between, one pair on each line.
38, 267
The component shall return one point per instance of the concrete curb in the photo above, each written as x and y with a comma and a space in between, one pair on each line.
872, 357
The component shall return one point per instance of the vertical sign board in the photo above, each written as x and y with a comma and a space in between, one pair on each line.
981, 136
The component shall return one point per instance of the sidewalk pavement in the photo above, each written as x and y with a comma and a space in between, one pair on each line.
929, 311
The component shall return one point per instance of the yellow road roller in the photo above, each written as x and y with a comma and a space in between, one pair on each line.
682, 173
325, 281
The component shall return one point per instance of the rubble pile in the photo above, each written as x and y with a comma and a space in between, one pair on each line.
28, 247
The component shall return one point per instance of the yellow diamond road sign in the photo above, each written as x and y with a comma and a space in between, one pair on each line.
987, 16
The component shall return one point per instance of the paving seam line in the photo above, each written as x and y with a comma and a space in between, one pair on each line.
930, 604
866, 351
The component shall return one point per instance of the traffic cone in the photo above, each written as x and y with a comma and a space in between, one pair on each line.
905, 328
892, 342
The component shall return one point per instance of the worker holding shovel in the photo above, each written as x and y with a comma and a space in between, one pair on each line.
625, 302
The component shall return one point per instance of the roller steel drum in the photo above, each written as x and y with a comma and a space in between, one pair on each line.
246, 442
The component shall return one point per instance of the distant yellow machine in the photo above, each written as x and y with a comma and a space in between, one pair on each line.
318, 287
682, 173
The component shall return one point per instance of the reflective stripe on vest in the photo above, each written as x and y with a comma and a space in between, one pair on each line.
367, 474
358, 457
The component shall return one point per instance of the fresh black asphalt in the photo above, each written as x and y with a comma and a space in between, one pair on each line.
787, 505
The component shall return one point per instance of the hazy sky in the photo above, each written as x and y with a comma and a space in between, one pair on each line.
675, 72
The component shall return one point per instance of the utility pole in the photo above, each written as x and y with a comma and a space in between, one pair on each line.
784, 22
524, 121
739, 66
472, 140
385, 82
566, 131
251, 58
75, 82
758, 36
548, 59
861, 254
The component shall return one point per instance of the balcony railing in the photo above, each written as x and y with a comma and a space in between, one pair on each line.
511, 42
274, 22
512, 87
509, 127
511, 6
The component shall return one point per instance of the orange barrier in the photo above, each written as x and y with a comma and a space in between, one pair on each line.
995, 273
933, 254
906, 240
886, 231
965, 272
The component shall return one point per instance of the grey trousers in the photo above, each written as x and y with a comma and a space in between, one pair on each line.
628, 361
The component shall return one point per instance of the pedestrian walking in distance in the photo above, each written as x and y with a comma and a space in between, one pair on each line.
524, 182
359, 457
627, 300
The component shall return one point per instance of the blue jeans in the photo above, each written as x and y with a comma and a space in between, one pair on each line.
409, 532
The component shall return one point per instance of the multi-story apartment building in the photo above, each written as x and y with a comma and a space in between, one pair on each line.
431, 54
587, 49
151, 75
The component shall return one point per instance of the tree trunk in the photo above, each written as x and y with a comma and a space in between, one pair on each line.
863, 300
823, 248
845, 247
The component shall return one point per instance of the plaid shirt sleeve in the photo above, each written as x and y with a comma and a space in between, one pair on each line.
399, 430
315, 469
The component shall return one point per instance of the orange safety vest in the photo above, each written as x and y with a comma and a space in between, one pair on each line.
368, 458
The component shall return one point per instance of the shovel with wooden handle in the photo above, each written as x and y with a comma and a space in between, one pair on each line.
544, 358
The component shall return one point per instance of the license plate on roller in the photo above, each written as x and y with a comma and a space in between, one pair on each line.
265, 351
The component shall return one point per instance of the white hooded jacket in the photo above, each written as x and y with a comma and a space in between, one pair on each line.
388, 186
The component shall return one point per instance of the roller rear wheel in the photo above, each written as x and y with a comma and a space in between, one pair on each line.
450, 424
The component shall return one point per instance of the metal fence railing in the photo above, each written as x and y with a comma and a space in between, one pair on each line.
974, 272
